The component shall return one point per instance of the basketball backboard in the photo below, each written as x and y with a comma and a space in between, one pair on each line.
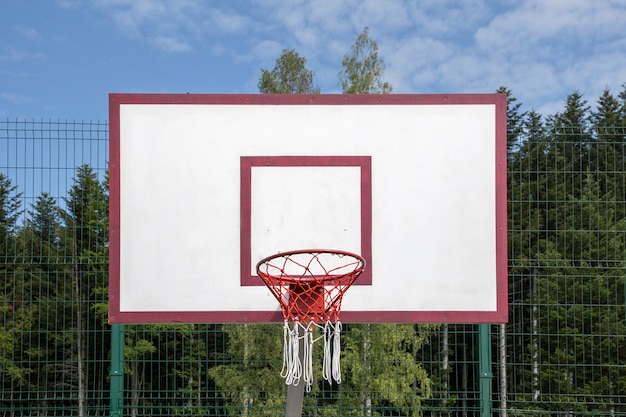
202, 187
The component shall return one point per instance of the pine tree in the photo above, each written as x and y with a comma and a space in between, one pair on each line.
45, 218
87, 211
608, 150
10, 211
608, 115
84, 240
527, 172
622, 106
515, 130
41, 275
514, 121
579, 303
565, 239
12, 309
571, 131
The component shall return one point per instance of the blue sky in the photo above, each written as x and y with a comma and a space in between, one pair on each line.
60, 59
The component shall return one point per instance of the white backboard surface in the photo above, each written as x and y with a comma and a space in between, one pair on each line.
205, 186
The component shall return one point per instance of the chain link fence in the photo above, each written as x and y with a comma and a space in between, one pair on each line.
562, 353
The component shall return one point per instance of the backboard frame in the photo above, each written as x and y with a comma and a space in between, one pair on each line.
498, 101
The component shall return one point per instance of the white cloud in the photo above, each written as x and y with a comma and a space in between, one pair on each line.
226, 20
15, 98
447, 18
411, 63
69, 4
27, 32
267, 51
592, 76
548, 49
540, 49
330, 17
16, 74
18, 55
533, 82
167, 25
383, 16
167, 44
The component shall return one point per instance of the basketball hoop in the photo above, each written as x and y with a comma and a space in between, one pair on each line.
309, 286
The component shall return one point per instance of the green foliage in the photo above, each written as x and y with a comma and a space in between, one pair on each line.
576, 298
10, 210
10, 205
363, 70
11, 370
566, 240
254, 354
565, 340
395, 378
515, 121
87, 214
44, 218
289, 76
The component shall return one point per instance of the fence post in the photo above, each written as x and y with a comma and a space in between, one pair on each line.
116, 373
484, 365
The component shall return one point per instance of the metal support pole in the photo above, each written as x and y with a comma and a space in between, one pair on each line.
295, 393
486, 374
116, 373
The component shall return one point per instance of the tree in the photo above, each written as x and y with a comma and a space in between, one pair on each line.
87, 213
514, 121
44, 218
289, 76
572, 128
580, 302
608, 113
607, 151
363, 69
567, 251
256, 353
10, 212
396, 381
11, 372
514, 131
41, 278
622, 104
86, 239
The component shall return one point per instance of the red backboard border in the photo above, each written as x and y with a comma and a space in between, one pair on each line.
116, 100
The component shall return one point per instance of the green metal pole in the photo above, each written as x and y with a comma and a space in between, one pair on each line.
484, 364
116, 373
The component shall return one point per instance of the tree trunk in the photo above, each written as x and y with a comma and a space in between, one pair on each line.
199, 391
190, 379
464, 391
502, 365
445, 364
134, 388
535, 338
246, 390
367, 372
80, 330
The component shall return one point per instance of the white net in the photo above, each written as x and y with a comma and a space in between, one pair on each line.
298, 352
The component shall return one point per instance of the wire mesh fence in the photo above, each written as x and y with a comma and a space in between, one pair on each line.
563, 351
